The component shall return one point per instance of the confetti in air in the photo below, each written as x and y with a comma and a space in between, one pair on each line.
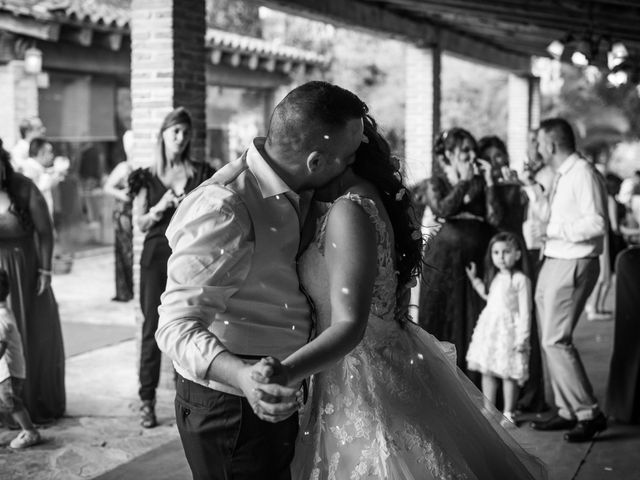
345, 290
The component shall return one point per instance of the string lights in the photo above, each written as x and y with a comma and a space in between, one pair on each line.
589, 50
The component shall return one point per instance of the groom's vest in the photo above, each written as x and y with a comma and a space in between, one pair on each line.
269, 314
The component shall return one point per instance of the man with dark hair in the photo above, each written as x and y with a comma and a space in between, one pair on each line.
577, 223
30, 128
233, 295
38, 167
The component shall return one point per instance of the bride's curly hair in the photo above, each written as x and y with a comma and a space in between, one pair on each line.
375, 163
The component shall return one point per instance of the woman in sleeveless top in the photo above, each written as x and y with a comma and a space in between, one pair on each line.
158, 190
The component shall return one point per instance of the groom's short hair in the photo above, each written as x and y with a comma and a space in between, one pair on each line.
310, 109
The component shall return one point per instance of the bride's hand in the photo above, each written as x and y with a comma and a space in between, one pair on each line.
270, 402
270, 370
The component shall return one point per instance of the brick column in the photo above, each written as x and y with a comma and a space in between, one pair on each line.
422, 110
523, 115
19, 100
535, 103
167, 71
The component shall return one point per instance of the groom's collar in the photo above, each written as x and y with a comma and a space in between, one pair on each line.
269, 181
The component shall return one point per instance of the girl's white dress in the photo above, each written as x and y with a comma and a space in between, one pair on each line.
503, 324
396, 407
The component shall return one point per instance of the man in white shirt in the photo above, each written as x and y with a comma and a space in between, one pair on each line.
30, 128
233, 294
39, 168
574, 239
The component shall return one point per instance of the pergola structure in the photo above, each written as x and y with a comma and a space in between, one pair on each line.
502, 33
499, 32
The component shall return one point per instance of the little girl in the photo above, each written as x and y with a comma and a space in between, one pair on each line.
499, 347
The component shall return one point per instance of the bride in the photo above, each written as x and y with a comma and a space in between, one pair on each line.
389, 402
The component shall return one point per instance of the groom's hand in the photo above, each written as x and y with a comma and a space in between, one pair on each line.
270, 402
270, 370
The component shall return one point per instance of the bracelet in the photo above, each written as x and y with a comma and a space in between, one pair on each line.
42, 271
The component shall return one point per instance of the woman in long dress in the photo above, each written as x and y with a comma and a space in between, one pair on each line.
464, 198
390, 402
26, 247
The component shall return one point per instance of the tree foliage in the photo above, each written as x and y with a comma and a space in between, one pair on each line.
594, 106
237, 16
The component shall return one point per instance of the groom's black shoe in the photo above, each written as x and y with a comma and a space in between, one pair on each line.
554, 423
585, 430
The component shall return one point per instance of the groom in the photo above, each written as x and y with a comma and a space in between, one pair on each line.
233, 295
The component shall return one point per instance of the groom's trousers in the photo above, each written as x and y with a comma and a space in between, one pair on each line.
224, 440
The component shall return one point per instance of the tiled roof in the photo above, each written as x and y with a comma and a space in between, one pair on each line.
115, 14
102, 13
221, 40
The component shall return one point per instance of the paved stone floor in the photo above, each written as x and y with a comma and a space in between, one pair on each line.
100, 429
100, 437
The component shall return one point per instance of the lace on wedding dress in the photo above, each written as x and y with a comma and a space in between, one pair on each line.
394, 407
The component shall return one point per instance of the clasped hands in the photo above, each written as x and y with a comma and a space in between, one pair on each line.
265, 384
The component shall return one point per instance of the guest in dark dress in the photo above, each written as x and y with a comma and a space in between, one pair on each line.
461, 194
117, 186
623, 391
158, 190
507, 186
26, 247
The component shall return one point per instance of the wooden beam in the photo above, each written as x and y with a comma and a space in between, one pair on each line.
227, 76
82, 36
253, 62
29, 27
374, 19
111, 40
56, 56
114, 41
620, 23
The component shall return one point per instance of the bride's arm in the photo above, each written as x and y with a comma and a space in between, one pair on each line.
351, 260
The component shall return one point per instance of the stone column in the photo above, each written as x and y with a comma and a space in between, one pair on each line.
422, 110
523, 115
167, 71
19, 100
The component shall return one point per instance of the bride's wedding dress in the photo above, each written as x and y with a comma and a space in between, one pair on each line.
396, 407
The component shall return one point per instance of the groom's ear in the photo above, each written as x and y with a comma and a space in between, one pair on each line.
314, 161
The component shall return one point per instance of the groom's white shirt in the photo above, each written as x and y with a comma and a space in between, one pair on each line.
232, 278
